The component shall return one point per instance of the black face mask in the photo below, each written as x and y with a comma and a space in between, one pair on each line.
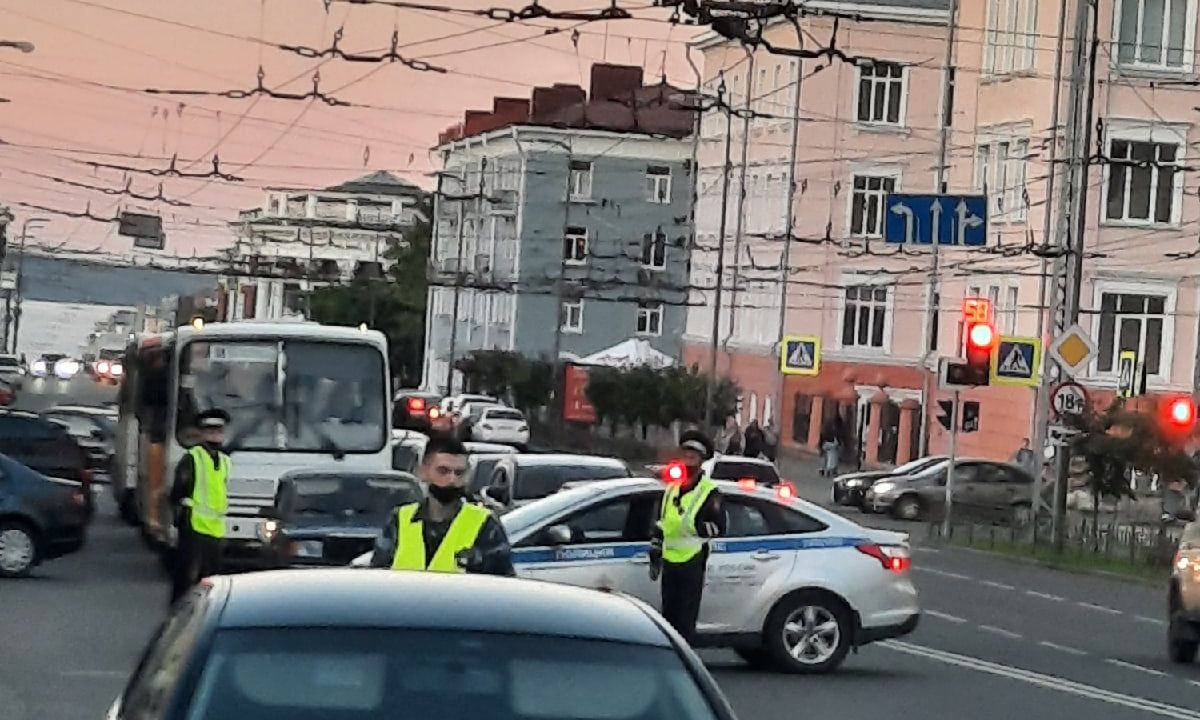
214, 446
445, 494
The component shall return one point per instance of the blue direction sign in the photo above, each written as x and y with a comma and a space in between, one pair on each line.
953, 219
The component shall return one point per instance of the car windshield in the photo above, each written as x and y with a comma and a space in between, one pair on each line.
761, 473
77, 425
540, 480
364, 497
938, 468
504, 414
368, 673
290, 396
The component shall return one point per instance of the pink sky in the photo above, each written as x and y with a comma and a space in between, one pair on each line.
59, 110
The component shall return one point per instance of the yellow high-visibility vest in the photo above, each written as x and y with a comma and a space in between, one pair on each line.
209, 501
681, 542
410, 539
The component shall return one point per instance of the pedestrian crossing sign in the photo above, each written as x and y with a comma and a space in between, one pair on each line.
800, 355
1016, 361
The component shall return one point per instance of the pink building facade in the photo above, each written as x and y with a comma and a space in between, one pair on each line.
874, 126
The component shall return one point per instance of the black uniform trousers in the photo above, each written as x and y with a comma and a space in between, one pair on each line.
197, 556
682, 590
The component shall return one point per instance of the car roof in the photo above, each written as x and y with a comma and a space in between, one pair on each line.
357, 597
389, 474
741, 459
483, 448
565, 459
81, 409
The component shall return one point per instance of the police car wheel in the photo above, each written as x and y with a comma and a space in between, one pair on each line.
809, 632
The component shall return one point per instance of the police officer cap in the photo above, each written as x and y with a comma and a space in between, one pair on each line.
697, 441
212, 419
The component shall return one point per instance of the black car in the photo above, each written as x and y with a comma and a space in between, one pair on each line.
41, 518
46, 447
348, 644
94, 429
521, 478
849, 489
411, 409
331, 518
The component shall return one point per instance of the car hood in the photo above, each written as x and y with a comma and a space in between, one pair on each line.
315, 527
872, 475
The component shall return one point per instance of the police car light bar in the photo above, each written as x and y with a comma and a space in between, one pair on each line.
673, 472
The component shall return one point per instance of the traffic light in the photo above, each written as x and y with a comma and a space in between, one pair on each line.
970, 416
980, 339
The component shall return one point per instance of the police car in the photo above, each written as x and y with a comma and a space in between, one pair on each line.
790, 585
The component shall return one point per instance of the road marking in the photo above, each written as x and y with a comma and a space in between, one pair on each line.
943, 573
1049, 682
997, 585
1100, 608
1045, 596
95, 673
1062, 648
945, 616
1132, 666
1001, 631
1152, 621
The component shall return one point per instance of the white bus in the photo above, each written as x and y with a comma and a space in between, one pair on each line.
300, 395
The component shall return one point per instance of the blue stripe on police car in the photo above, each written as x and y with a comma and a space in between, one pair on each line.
622, 551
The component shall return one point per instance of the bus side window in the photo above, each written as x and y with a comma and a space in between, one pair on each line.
153, 391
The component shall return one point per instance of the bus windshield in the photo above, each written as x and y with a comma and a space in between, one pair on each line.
286, 395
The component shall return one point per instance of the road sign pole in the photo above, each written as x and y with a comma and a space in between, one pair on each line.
954, 421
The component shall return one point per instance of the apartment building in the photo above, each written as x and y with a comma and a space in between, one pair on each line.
569, 208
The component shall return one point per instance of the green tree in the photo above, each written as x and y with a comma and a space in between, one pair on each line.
604, 391
394, 304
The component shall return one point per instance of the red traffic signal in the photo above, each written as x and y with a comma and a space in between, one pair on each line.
674, 473
981, 336
1181, 412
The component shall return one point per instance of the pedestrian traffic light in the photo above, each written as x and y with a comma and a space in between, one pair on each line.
970, 416
980, 339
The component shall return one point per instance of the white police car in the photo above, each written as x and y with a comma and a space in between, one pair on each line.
790, 584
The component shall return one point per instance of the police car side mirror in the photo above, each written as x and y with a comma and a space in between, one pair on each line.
558, 535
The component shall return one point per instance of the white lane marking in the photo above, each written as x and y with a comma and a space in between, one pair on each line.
1099, 608
997, 585
94, 673
1045, 596
1150, 620
1061, 648
1001, 631
1049, 682
945, 616
1132, 666
943, 573
922, 549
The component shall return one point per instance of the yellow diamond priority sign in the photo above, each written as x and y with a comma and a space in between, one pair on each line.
1073, 350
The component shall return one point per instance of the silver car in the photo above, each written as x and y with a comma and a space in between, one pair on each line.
11, 371
1183, 601
981, 487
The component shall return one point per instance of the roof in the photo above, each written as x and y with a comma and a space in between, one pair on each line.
628, 353
563, 459
288, 329
380, 182
346, 597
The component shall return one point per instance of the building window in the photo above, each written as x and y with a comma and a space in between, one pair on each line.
571, 316
658, 184
1000, 172
867, 204
581, 180
654, 250
1011, 34
649, 318
864, 316
881, 93
1008, 311
575, 246
1143, 181
1155, 32
1132, 322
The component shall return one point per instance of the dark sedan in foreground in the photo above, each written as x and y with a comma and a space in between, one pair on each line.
371, 644
41, 518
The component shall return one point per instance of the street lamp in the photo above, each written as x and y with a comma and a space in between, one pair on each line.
23, 45
37, 222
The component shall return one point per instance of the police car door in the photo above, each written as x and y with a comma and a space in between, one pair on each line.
608, 547
746, 566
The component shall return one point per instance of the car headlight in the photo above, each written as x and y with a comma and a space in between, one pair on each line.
855, 482
268, 530
883, 487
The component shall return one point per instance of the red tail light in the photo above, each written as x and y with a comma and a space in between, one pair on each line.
416, 404
786, 491
747, 483
891, 558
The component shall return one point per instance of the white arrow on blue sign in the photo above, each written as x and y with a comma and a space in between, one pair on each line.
953, 219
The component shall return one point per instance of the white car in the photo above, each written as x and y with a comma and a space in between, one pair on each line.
737, 467
502, 425
790, 585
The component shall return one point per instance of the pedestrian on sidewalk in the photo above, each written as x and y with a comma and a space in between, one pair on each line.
755, 440
831, 447
770, 440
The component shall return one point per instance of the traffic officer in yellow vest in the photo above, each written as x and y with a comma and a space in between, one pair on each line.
447, 532
199, 498
690, 514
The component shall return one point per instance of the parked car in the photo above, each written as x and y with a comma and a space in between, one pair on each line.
341, 644
41, 518
1183, 594
11, 371
849, 488
522, 478
411, 410
503, 425
986, 488
736, 467
94, 429
46, 448
330, 518
44, 366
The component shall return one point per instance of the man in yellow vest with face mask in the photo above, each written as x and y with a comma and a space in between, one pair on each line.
200, 501
447, 532
690, 514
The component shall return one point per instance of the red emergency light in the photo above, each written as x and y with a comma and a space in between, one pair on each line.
1182, 412
786, 491
416, 404
747, 483
674, 473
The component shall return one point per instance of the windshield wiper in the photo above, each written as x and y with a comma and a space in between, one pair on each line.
327, 443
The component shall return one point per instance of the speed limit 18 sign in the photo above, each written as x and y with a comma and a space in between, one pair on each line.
1068, 399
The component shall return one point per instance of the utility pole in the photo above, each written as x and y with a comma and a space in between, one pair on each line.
1072, 222
20, 279
727, 169
560, 279
785, 262
1042, 403
741, 204
459, 275
931, 317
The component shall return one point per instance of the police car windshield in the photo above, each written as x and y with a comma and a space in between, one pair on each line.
367, 673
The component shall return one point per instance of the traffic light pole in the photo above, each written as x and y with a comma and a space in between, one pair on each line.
955, 414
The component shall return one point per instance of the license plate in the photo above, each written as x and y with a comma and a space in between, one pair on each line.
241, 529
